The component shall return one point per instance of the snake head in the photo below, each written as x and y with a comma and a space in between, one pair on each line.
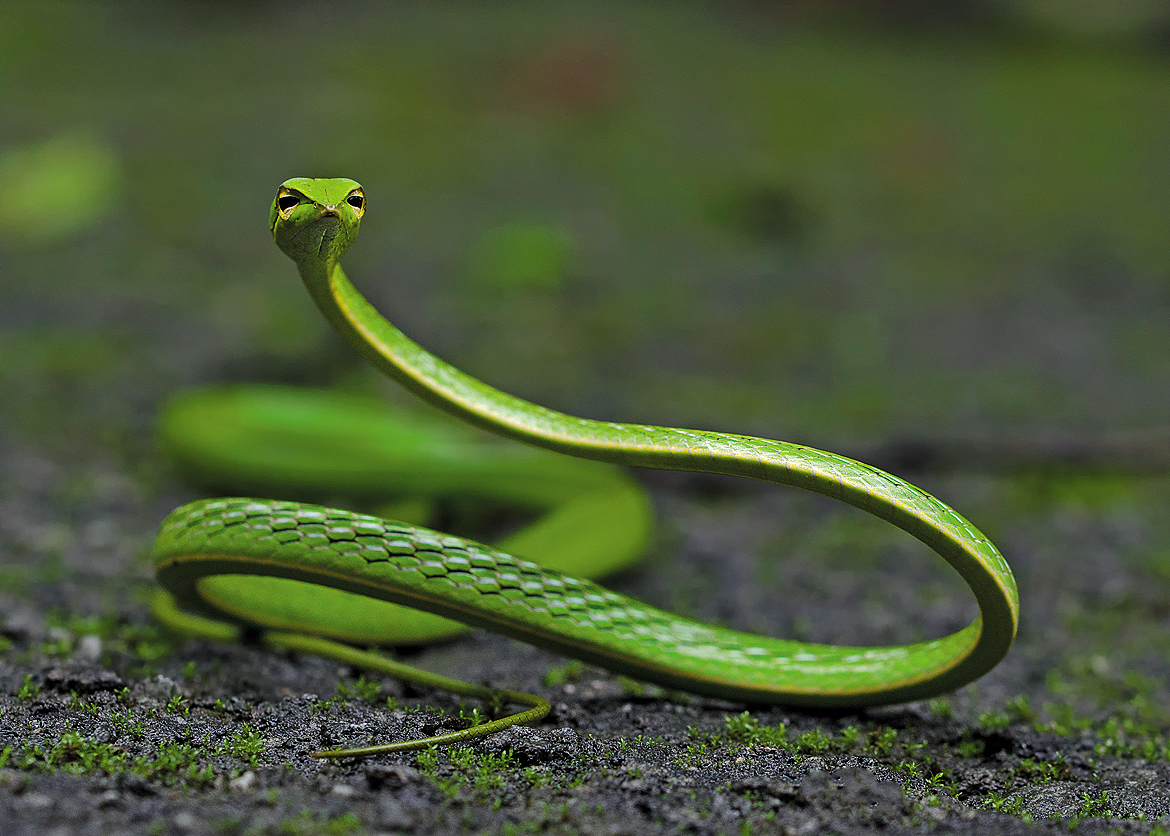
316, 218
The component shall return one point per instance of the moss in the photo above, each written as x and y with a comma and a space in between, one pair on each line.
366, 689
463, 768
142, 644
743, 731
631, 687
15, 580
175, 764
570, 671
244, 744
28, 690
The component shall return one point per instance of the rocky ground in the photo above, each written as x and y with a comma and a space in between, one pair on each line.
112, 726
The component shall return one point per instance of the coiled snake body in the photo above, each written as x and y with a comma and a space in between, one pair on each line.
313, 577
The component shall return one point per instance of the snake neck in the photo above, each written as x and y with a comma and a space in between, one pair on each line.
408, 363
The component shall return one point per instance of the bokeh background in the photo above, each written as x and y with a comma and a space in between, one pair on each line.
816, 221
864, 226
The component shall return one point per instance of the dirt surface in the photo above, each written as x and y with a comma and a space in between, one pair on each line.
934, 241
110, 726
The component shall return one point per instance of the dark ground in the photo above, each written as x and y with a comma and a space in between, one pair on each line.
923, 247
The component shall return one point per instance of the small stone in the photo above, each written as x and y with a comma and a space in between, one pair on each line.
533, 746
36, 800
244, 782
61, 635
393, 815
108, 799
82, 677
785, 791
23, 625
392, 775
136, 784
936, 813
343, 790
1058, 799
184, 821
89, 648
160, 687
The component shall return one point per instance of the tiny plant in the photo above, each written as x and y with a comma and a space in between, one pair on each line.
28, 690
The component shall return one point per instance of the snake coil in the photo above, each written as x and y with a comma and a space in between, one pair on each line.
315, 578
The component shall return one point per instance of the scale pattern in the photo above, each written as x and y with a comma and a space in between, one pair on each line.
417, 566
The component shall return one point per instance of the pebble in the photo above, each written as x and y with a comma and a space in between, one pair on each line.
244, 782
184, 821
392, 814
392, 775
89, 648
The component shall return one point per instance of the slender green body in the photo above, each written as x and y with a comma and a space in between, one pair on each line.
203, 547
311, 443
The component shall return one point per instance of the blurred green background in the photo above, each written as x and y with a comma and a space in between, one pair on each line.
821, 222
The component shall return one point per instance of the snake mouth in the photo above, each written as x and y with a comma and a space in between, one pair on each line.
328, 228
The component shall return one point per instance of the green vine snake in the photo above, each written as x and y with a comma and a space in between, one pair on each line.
322, 580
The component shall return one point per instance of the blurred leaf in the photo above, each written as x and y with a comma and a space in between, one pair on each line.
56, 188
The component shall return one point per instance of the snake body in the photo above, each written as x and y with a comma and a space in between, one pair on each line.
297, 569
286, 441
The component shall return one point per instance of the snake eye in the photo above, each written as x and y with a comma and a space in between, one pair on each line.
287, 202
357, 200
